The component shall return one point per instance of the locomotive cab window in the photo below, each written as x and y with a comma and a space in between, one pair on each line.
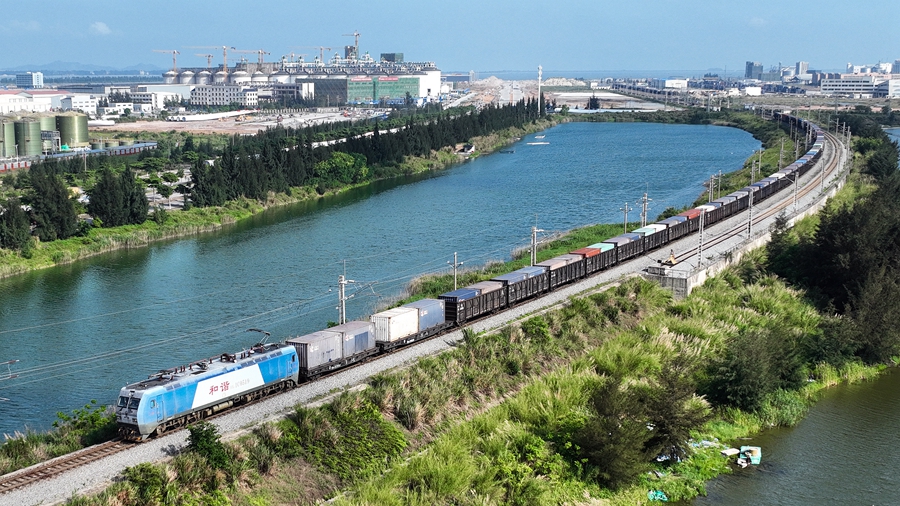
123, 401
134, 402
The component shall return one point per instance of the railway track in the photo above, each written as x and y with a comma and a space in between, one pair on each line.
781, 205
55, 467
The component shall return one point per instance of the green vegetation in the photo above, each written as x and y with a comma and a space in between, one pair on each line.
89, 425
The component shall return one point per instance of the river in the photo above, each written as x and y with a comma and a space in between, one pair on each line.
843, 452
82, 331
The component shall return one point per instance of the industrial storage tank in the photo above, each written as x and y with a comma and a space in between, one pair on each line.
186, 77
259, 78
240, 77
126, 142
202, 77
221, 77
96, 145
111, 143
7, 137
281, 77
48, 124
170, 77
28, 137
73, 129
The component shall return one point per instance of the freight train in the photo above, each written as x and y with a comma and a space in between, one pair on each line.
174, 398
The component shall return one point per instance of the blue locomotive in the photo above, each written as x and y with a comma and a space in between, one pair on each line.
174, 398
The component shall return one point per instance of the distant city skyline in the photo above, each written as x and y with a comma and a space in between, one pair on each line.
585, 35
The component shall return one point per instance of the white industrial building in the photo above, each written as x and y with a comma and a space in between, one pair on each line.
83, 102
28, 101
664, 84
853, 85
224, 94
115, 109
32, 80
155, 101
887, 89
182, 90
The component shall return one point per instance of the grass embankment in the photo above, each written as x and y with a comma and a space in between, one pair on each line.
199, 220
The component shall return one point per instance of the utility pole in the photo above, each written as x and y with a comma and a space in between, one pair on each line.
719, 185
540, 75
343, 307
781, 154
700, 247
534, 231
456, 265
645, 204
750, 217
625, 210
795, 190
712, 182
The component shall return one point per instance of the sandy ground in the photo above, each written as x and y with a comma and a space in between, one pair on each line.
250, 125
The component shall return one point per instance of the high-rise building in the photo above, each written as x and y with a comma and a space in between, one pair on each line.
392, 57
802, 68
754, 70
895, 68
30, 80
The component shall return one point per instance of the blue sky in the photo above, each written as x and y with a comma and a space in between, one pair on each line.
463, 34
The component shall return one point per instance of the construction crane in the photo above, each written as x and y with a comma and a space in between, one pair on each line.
321, 49
174, 53
224, 54
355, 35
260, 52
208, 57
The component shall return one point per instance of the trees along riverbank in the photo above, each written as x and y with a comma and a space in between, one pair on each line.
617, 393
277, 167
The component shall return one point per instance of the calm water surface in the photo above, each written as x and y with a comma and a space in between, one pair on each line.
82, 331
844, 452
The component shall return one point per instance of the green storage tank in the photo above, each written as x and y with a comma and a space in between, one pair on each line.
96, 145
7, 138
48, 124
126, 142
73, 129
28, 137
112, 143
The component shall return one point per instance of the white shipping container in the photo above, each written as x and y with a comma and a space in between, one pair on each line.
395, 324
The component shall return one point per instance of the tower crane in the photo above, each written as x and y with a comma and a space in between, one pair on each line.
174, 53
260, 52
224, 54
355, 35
208, 57
321, 49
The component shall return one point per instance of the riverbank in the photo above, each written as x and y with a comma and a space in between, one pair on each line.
194, 221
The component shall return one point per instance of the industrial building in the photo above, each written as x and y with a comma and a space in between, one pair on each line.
224, 94
664, 84
30, 80
753, 70
83, 102
853, 85
337, 81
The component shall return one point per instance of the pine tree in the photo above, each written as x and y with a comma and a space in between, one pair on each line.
15, 227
